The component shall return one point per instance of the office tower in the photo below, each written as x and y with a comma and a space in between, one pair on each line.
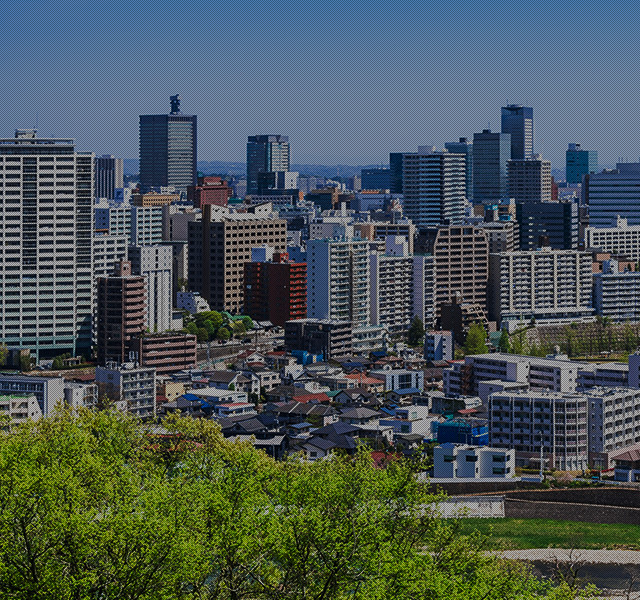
338, 280
529, 180
275, 182
109, 175
209, 190
395, 177
517, 120
391, 278
434, 187
580, 162
168, 154
275, 288
464, 146
460, 265
550, 286
553, 224
375, 179
46, 198
219, 247
265, 153
121, 313
613, 193
491, 153
155, 264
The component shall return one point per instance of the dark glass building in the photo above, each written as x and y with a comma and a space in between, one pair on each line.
265, 153
491, 153
168, 154
555, 224
517, 120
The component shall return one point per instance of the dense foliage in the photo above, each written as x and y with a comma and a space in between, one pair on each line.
476, 340
93, 507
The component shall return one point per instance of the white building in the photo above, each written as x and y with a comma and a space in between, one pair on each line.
156, 264
472, 462
550, 286
338, 280
46, 249
438, 345
623, 239
400, 379
49, 391
141, 224
616, 294
129, 388
422, 299
391, 278
77, 395
19, 408
521, 420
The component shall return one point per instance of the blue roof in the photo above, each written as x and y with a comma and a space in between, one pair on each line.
405, 391
389, 411
301, 425
191, 397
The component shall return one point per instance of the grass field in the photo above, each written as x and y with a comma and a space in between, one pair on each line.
542, 533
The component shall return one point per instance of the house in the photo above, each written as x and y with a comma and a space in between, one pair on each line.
627, 463
232, 380
371, 384
266, 378
316, 448
214, 395
275, 446
298, 412
355, 396
234, 408
413, 420
403, 395
359, 416
397, 379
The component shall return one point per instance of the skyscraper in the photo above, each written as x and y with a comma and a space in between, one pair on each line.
491, 153
168, 155
109, 175
517, 120
464, 146
529, 179
434, 187
265, 153
46, 251
580, 162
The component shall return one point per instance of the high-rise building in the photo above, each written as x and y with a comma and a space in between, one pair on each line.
168, 153
464, 146
265, 153
109, 175
391, 281
338, 280
395, 177
155, 264
121, 313
434, 187
46, 203
491, 153
580, 162
613, 193
529, 179
517, 120
219, 247
143, 225
275, 288
460, 265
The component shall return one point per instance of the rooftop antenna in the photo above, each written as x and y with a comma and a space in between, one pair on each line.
175, 104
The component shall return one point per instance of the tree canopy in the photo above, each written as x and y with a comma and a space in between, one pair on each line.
97, 506
476, 340
415, 335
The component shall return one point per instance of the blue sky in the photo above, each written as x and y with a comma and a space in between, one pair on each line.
347, 81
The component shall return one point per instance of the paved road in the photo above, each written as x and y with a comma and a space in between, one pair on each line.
611, 557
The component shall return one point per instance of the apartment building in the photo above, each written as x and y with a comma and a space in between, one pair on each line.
623, 239
128, 387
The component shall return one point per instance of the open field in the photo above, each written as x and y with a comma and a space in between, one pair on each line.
543, 533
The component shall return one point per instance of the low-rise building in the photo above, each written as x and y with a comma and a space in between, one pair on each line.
438, 345
330, 338
19, 408
474, 462
48, 391
129, 387
167, 352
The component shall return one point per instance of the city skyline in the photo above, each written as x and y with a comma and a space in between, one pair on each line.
383, 81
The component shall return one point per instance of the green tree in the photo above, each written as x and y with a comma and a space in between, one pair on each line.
223, 334
503, 344
203, 335
248, 323
415, 335
192, 328
4, 354
95, 506
239, 329
476, 340
216, 318
209, 326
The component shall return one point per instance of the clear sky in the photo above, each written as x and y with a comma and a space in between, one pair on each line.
347, 81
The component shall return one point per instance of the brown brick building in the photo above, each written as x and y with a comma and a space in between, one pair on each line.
121, 313
219, 247
276, 291
210, 190
168, 352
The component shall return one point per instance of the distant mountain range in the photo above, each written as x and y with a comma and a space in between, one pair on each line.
238, 169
